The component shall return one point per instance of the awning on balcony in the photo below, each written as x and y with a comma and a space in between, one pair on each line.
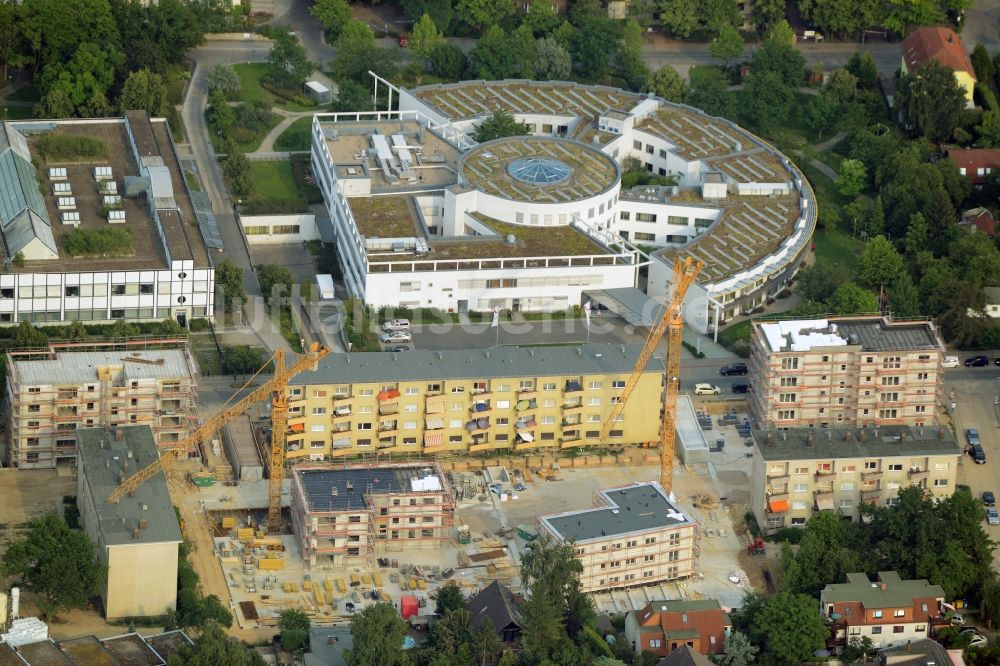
297, 427
391, 394
434, 424
777, 506
340, 443
824, 502
434, 439
435, 406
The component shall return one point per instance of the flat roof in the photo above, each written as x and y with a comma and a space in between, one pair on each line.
590, 172
897, 593
102, 458
183, 238
353, 484
43, 653
829, 443
88, 650
873, 334
507, 361
132, 650
169, 642
80, 367
636, 508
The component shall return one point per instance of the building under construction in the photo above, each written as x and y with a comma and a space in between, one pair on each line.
347, 515
53, 392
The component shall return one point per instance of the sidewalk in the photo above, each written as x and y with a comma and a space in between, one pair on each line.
705, 344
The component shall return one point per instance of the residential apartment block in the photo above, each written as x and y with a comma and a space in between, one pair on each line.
346, 515
664, 626
845, 371
51, 393
637, 535
431, 402
889, 611
800, 471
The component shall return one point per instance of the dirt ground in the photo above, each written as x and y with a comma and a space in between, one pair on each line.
32, 493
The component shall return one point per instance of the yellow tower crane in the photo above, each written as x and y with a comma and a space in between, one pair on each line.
685, 272
276, 388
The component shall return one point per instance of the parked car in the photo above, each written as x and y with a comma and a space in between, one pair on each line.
396, 337
989, 499
978, 455
733, 369
520, 487
949, 362
741, 388
403, 41
706, 389
396, 325
997, 360
977, 362
972, 437
399, 348
992, 517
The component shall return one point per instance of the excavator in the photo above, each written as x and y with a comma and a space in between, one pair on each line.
275, 389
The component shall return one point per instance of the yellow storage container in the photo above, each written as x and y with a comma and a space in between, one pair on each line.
421, 584
413, 583
377, 579
366, 579
244, 534
327, 585
228, 523
307, 585
328, 595
271, 565
318, 593
341, 587
355, 580
295, 587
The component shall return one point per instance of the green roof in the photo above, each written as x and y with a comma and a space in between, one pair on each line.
897, 593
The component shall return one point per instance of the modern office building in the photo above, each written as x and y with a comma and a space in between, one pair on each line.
52, 393
470, 401
637, 535
844, 371
890, 611
137, 537
425, 217
134, 183
797, 472
345, 515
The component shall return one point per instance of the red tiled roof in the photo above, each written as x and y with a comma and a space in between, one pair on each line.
973, 159
936, 43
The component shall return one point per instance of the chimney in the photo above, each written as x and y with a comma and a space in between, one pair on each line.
940, 433
809, 439
143, 523
119, 435
861, 435
768, 439
883, 587
135, 534
129, 454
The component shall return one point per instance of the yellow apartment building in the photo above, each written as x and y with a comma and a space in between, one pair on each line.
472, 401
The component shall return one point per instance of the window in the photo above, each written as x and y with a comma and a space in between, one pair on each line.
847, 486
899, 612
412, 390
367, 425
887, 413
801, 470
870, 465
876, 614
786, 397
789, 381
319, 411
801, 487
847, 468
786, 414
364, 393
898, 629
876, 630
549, 386
789, 364
940, 483
643, 236
458, 389
896, 467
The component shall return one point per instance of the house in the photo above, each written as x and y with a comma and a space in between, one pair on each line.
942, 44
890, 611
327, 646
662, 627
992, 302
496, 603
976, 164
685, 656
918, 653
979, 219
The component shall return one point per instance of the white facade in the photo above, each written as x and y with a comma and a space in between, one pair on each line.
277, 229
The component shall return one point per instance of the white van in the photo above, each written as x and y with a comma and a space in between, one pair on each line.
949, 362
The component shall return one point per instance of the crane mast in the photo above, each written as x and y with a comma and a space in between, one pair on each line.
274, 389
672, 320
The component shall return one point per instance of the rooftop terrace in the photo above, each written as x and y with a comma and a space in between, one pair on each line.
872, 334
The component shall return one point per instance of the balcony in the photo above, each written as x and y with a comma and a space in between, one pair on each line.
481, 408
527, 394
573, 387
572, 410
488, 446
871, 493
478, 425
388, 408
870, 476
824, 501
778, 479
917, 474
341, 418
342, 402
482, 393
824, 472
525, 403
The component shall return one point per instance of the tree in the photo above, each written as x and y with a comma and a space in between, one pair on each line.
781, 58
175, 29
710, 93
859, 648
819, 281
788, 628
357, 53
450, 598
852, 177
917, 238
904, 299
230, 277
353, 96
842, 88
236, 168
875, 224
122, 329
481, 13
214, 647
767, 12
714, 15
989, 129
728, 45
633, 68
852, 299
668, 84
541, 18
862, 66
27, 336
591, 43
982, 63
448, 62
768, 99
499, 124
243, 360
841, 17
738, 650
931, 101
425, 37
821, 112
77, 331
144, 90
440, 11
825, 555
332, 15
378, 637
552, 61
679, 17
989, 601
56, 562
274, 281
219, 114
288, 62
493, 55
12, 47
224, 82
294, 627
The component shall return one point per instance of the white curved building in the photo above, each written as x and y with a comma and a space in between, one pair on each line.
425, 217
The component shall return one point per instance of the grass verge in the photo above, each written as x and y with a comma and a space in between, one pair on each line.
295, 137
250, 75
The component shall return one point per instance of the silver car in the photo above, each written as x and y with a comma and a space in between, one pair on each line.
992, 517
396, 337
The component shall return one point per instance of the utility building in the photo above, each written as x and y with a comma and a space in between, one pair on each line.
637, 535
350, 513
53, 392
514, 398
137, 538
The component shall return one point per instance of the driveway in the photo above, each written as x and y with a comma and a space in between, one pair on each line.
982, 25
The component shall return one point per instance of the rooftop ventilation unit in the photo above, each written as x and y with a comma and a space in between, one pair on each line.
116, 217
63, 188
57, 173
103, 173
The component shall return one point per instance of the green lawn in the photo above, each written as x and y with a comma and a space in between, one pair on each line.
273, 181
18, 112
738, 331
696, 73
296, 137
28, 93
250, 75
254, 143
837, 247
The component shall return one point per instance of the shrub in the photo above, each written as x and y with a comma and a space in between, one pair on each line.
694, 350
792, 535
55, 147
107, 242
275, 206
